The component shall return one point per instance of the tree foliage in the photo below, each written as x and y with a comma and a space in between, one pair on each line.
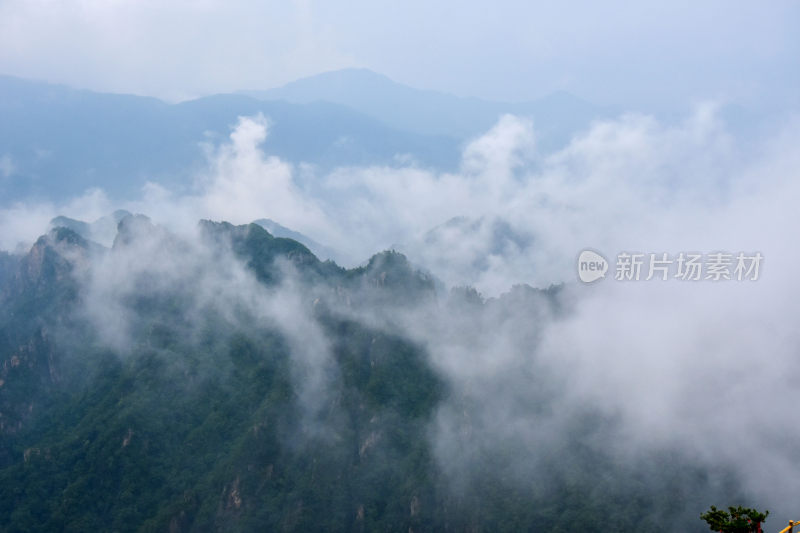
735, 520
203, 424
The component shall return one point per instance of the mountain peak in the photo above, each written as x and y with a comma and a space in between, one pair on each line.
349, 75
429, 112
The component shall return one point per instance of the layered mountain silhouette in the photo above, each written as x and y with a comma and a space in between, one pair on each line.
555, 116
238, 383
56, 141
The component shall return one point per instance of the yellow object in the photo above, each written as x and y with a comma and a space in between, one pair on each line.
788, 529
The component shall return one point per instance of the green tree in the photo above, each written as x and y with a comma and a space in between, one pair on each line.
735, 520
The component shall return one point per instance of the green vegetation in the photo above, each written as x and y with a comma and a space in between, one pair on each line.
735, 520
206, 420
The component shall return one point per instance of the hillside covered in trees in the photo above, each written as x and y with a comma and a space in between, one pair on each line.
231, 381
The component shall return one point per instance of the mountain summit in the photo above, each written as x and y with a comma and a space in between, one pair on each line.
432, 112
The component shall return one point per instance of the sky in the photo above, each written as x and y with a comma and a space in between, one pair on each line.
632, 182
661, 54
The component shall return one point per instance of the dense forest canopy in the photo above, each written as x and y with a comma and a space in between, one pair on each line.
232, 381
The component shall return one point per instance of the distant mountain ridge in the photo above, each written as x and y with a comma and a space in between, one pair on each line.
278, 230
56, 142
102, 230
427, 112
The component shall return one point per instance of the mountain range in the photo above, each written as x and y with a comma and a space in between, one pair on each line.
426, 112
238, 383
56, 141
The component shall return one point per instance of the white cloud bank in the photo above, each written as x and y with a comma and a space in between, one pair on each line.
709, 367
628, 184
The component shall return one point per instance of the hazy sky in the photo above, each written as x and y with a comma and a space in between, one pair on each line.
615, 52
634, 182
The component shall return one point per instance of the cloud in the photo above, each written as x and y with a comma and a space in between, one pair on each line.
150, 271
171, 51
7, 167
705, 368
702, 367
666, 55
629, 183
244, 183
22, 223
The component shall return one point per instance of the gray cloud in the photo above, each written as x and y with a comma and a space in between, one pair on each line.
665, 54
7, 166
702, 367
